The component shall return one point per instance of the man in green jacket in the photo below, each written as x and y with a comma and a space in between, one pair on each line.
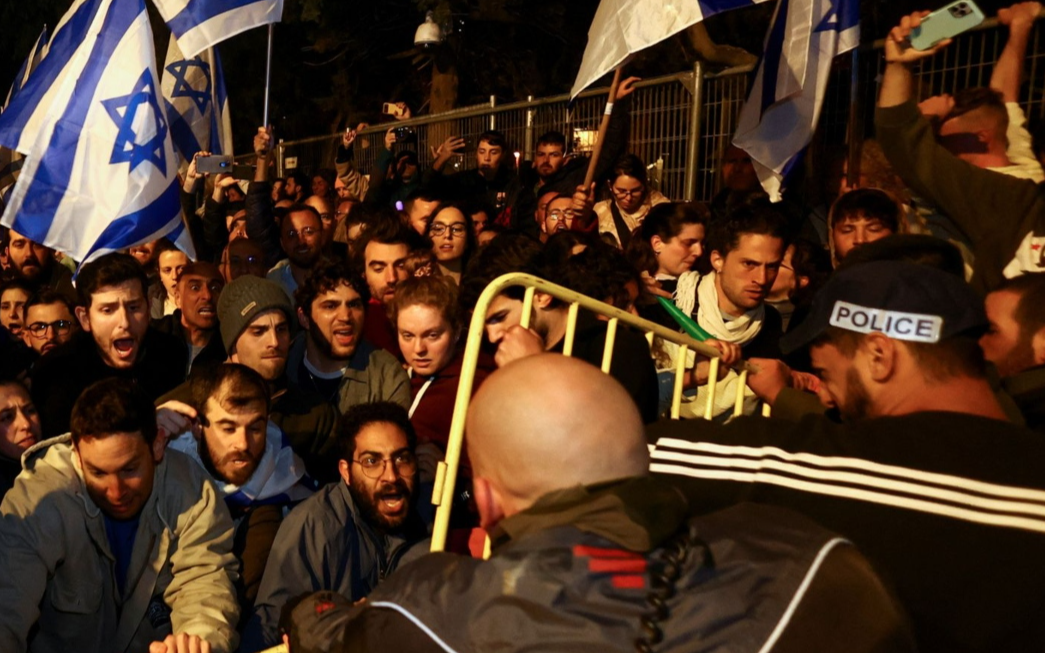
1003, 217
110, 543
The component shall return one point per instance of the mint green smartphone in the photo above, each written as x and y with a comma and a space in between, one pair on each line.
946, 22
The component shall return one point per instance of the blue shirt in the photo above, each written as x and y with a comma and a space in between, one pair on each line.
121, 536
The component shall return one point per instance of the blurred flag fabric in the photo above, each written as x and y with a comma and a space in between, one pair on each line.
200, 24
11, 161
621, 27
196, 103
100, 172
781, 112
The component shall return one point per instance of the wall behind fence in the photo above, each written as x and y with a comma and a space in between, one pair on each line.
664, 125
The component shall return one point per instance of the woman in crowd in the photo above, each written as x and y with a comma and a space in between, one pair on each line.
19, 430
453, 239
631, 200
429, 325
664, 248
169, 261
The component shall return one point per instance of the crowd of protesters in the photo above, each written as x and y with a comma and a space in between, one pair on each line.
231, 452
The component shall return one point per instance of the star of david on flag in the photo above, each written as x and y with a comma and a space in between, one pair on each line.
97, 174
196, 103
135, 112
183, 72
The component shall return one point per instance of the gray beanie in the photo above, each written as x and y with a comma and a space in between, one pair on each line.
242, 300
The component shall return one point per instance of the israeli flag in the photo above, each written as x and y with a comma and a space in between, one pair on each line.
29, 65
201, 24
623, 27
11, 161
780, 115
100, 173
196, 103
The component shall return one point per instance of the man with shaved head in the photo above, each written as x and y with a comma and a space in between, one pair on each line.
589, 552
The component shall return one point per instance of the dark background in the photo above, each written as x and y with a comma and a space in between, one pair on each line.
336, 61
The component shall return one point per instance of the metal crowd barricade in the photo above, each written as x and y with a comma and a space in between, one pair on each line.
446, 473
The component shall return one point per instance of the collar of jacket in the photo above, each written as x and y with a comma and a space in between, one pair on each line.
356, 364
635, 513
1027, 389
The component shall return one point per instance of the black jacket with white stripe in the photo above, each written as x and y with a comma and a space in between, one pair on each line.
618, 567
949, 507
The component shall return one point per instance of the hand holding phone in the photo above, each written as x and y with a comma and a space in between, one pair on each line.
214, 164
945, 23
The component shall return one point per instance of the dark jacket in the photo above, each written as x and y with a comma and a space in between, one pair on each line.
1002, 216
618, 566
213, 353
261, 226
572, 173
631, 365
380, 190
60, 377
513, 202
948, 507
1027, 389
9, 470
323, 544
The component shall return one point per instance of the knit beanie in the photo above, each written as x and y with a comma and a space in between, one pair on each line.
242, 300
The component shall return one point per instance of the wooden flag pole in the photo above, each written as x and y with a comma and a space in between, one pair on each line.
268, 76
603, 126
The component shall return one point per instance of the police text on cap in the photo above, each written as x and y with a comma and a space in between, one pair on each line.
915, 327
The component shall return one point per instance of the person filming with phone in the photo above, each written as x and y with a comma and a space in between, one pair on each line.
963, 167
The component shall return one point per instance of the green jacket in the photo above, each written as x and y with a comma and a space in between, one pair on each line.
58, 570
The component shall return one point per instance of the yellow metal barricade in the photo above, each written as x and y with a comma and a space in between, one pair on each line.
446, 473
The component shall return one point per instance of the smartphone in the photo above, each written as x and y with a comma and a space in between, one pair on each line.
390, 109
214, 164
946, 22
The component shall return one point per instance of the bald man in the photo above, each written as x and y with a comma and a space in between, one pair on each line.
590, 553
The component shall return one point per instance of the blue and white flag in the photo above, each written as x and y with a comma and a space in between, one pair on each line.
196, 103
29, 65
100, 172
621, 27
202, 24
781, 112
11, 161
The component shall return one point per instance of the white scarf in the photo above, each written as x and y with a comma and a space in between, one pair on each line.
740, 330
279, 477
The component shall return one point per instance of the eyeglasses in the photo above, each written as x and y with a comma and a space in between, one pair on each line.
39, 329
438, 229
374, 467
307, 231
635, 192
566, 216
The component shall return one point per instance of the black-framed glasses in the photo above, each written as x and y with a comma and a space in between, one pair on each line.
438, 229
39, 329
624, 192
374, 467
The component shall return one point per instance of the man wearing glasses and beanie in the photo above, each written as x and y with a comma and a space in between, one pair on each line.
353, 532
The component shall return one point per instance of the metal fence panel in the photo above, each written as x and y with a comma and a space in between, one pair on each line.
661, 118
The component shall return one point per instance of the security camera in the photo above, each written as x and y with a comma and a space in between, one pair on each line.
428, 35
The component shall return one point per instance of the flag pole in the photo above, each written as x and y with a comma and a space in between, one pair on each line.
268, 76
603, 126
